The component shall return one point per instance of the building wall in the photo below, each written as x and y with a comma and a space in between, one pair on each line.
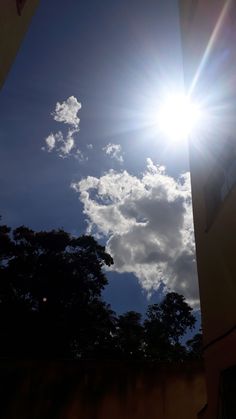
209, 30
15, 17
215, 240
198, 19
73, 390
219, 357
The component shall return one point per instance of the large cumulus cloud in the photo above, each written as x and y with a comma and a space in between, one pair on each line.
147, 221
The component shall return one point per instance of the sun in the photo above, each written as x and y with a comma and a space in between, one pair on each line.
178, 117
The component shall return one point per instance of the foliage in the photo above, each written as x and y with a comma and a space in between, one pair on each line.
51, 305
195, 346
130, 334
165, 324
50, 289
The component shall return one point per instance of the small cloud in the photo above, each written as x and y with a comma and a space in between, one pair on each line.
50, 142
114, 151
90, 146
67, 112
66, 145
79, 156
63, 145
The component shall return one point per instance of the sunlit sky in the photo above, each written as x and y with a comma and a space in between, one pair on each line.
106, 168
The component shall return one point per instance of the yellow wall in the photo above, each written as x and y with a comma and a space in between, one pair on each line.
12, 30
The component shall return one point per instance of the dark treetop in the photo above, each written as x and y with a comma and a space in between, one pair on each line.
51, 305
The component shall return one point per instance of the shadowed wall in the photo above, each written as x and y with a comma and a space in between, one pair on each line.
15, 17
74, 390
208, 29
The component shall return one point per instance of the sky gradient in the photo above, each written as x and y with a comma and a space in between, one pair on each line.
79, 149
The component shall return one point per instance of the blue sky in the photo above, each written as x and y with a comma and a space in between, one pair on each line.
116, 59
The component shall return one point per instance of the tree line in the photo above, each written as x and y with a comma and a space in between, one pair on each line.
51, 305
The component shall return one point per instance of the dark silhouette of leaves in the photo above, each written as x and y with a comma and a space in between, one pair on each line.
51, 304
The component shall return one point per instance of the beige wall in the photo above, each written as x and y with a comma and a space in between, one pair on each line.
215, 241
198, 19
12, 30
215, 247
73, 390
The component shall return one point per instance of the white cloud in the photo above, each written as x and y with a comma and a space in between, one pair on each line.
89, 146
65, 145
67, 112
114, 151
50, 142
62, 146
148, 224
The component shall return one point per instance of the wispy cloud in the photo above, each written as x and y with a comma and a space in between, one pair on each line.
67, 145
79, 156
147, 222
50, 142
57, 142
114, 151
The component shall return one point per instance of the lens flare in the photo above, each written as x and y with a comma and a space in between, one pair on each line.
178, 117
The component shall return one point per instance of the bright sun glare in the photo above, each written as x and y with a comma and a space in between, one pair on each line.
178, 117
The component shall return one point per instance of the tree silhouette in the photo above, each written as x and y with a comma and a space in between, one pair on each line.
165, 324
130, 334
176, 316
51, 292
195, 346
51, 304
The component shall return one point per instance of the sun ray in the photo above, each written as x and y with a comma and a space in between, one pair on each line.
210, 45
178, 116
